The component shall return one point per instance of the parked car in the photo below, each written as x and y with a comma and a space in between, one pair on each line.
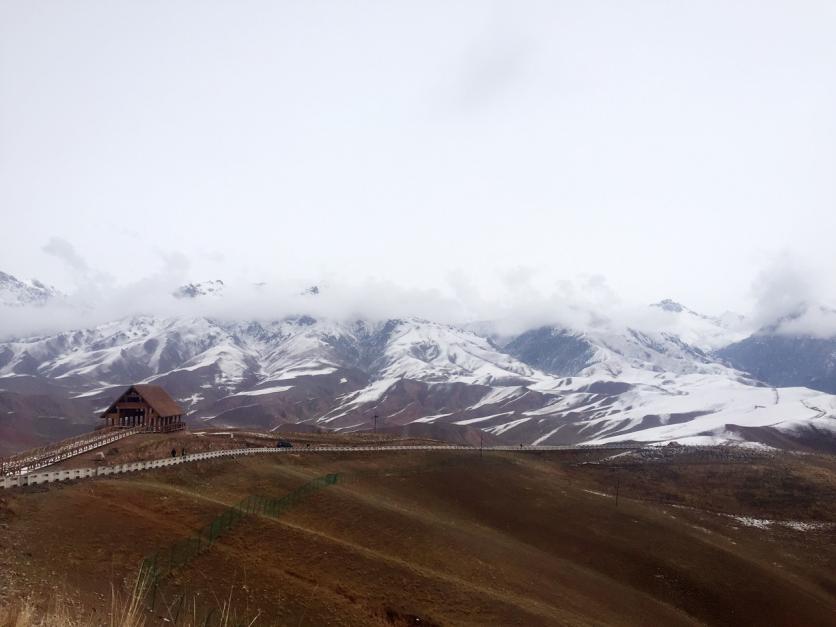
283, 444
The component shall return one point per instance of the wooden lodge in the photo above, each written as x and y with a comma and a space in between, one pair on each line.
145, 405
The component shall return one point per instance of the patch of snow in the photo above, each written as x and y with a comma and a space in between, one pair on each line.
499, 430
757, 523
272, 390
471, 421
609, 496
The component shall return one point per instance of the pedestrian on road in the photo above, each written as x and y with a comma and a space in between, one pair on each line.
174, 452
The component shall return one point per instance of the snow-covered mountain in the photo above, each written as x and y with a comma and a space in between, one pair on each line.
545, 386
17, 293
609, 353
196, 290
705, 332
783, 360
796, 349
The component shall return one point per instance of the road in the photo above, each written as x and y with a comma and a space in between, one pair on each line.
31, 478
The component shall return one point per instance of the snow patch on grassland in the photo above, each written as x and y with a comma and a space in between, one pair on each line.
757, 523
710, 440
795, 525
596, 493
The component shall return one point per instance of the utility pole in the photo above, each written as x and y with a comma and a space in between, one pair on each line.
481, 433
375, 423
617, 489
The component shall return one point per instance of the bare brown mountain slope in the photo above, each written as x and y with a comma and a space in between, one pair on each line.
448, 539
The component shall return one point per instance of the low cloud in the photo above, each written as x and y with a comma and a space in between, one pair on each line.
492, 68
66, 252
783, 288
788, 299
781, 292
815, 321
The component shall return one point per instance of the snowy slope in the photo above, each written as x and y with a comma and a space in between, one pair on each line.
17, 293
616, 384
707, 333
784, 353
609, 352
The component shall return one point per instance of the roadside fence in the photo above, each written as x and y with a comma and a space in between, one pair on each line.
161, 563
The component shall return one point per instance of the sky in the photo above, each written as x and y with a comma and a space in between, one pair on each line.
484, 151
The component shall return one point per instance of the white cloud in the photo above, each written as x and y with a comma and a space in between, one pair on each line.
512, 145
66, 252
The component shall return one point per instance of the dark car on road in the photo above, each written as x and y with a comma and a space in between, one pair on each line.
283, 444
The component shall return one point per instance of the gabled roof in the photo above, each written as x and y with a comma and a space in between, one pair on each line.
160, 400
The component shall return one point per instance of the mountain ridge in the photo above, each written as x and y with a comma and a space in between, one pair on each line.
546, 385
340, 374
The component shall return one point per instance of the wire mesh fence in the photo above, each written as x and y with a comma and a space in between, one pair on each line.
161, 563
163, 600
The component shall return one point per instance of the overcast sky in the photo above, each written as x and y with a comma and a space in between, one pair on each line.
682, 149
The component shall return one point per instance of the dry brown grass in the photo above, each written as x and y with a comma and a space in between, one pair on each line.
126, 609
441, 538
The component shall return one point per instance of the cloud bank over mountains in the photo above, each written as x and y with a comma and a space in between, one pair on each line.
784, 300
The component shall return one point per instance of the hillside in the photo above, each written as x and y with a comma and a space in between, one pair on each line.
532, 539
692, 378
545, 386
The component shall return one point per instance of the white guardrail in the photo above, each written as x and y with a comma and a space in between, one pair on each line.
49, 455
36, 478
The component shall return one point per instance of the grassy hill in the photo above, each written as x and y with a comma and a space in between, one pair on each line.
447, 539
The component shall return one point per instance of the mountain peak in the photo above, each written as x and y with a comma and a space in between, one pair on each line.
17, 293
671, 305
803, 319
195, 290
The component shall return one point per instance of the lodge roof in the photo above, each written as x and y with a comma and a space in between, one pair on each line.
159, 400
